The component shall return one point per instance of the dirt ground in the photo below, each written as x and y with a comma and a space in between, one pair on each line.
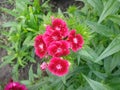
5, 72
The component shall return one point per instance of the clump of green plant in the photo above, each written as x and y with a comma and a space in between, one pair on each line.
26, 25
96, 66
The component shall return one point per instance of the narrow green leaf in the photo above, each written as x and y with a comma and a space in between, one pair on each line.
15, 73
96, 85
97, 4
107, 62
64, 79
115, 19
9, 11
115, 61
37, 86
102, 76
115, 83
112, 48
110, 7
8, 59
9, 24
26, 82
88, 54
39, 71
31, 75
101, 29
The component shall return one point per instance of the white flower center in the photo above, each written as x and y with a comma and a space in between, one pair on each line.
57, 28
75, 40
59, 50
41, 46
14, 84
54, 37
58, 66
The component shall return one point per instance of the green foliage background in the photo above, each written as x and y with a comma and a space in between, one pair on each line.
95, 67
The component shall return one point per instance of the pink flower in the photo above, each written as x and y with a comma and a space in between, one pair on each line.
58, 66
54, 36
43, 66
15, 86
60, 25
49, 29
40, 46
76, 40
58, 48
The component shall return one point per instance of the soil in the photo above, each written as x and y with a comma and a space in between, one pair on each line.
64, 4
5, 72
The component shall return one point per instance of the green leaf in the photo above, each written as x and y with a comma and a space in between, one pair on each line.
110, 7
31, 75
8, 59
9, 11
96, 85
26, 82
101, 29
111, 62
88, 54
37, 86
9, 24
112, 48
97, 4
15, 73
102, 76
64, 79
115, 83
37, 5
28, 40
107, 62
115, 19
39, 71
115, 61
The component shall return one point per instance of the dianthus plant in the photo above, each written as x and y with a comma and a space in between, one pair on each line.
56, 43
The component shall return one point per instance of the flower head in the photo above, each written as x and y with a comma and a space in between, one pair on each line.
60, 25
43, 66
58, 66
54, 36
40, 46
15, 86
76, 41
58, 48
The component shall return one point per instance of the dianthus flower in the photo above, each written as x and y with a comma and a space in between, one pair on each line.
58, 66
43, 66
76, 40
15, 86
50, 37
40, 46
58, 48
58, 25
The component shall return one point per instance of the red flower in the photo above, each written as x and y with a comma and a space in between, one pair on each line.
58, 48
60, 25
76, 41
54, 36
49, 29
40, 46
58, 66
15, 86
43, 66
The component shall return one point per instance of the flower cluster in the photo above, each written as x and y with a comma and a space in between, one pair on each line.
15, 86
57, 42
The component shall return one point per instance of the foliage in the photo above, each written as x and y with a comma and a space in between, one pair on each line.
23, 29
95, 67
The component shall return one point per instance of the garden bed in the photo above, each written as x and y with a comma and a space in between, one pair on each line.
6, 70
60, 44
